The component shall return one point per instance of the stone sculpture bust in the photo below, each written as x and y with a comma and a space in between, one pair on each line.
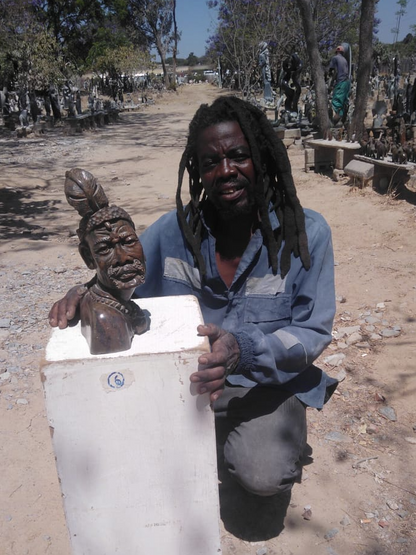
109, 245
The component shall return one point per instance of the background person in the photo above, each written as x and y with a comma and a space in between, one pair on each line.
339, 66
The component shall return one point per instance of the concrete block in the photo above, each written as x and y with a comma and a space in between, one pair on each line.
363, 171
343, 158
288, 142
339, 159
292, 133
324, 158
337, 174
134, 445
280, 132
309, 158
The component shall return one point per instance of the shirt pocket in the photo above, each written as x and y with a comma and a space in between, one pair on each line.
274, 312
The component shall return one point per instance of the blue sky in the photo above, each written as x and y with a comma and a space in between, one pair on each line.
195, 20
386, 11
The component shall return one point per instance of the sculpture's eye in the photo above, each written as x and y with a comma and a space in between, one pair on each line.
103, 249
131, 240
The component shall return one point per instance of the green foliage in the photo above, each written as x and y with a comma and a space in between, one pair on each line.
179, 61
403, 49
192, 60
43, 41
122, 60
105, 40
29, 54
155, 20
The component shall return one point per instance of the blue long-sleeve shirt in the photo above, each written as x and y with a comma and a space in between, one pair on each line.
281, 326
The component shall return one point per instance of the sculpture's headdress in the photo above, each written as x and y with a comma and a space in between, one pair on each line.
86, 195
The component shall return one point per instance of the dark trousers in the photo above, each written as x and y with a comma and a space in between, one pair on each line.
261, 432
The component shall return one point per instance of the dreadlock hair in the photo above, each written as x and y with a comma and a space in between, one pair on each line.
274, 184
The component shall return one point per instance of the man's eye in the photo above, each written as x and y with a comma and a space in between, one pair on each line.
240, 157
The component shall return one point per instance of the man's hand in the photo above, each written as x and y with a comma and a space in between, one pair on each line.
64, 310
216, 365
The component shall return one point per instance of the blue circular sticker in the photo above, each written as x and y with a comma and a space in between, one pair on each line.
115, 380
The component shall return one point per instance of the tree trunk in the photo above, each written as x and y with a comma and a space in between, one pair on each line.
175, 44
316, 67
162, 53
364, 67
164, 68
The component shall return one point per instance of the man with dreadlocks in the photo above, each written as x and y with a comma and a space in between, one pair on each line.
262, 270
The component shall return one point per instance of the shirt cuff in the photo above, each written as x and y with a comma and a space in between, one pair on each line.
246, 346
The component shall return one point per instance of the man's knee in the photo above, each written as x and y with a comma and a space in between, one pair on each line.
262, 452
262, 485
262, 476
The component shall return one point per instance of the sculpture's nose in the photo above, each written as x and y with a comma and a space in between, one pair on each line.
122, 255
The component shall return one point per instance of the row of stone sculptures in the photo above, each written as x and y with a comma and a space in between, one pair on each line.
401, 149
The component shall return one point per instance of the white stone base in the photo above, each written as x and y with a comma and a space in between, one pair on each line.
134, 445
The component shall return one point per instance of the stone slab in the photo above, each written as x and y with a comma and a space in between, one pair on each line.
134, 444
293, 133
386, 163
362, 170
318, 143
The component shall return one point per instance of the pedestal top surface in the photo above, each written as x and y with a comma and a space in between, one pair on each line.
386, 163
173, 328
332, 144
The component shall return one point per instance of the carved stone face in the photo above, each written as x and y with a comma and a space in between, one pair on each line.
116, 254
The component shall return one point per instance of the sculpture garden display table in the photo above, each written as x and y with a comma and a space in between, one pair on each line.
385, 171
90, 120
320, 153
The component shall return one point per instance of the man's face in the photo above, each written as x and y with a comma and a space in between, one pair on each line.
117, 255
226, 168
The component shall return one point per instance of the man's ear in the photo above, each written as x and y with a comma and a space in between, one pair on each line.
86, 255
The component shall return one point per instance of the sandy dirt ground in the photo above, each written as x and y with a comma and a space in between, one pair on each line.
358, 493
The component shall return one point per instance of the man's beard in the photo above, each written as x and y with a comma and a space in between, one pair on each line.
136, 267
234, 211
229, 210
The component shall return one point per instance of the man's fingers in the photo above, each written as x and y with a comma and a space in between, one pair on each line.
215, 358
214, 396
53, 315
62, 314
209, 330
209, 375
210, 387
70, 311
64, 310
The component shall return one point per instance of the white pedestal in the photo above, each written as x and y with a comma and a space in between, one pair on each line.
134, 444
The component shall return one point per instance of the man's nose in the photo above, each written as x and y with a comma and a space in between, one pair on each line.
227, 167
